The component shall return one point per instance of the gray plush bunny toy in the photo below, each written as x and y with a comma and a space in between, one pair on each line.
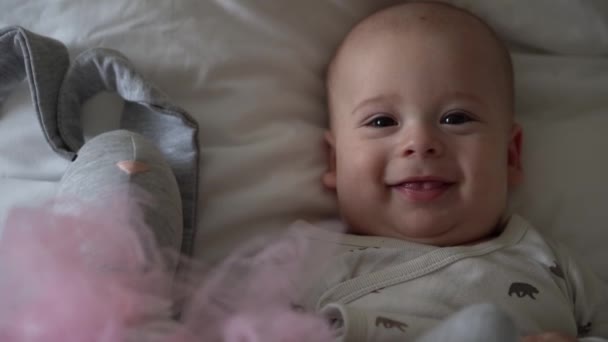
153, 154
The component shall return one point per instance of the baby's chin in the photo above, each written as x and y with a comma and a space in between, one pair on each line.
431, 232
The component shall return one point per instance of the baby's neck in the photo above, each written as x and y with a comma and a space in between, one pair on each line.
494, 233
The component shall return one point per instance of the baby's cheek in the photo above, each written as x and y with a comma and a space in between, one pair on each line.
358, 157
486, 174
360, 177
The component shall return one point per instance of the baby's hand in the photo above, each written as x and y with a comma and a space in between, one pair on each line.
549, 337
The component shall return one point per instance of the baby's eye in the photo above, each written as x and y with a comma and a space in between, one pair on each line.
381, 121
456, 118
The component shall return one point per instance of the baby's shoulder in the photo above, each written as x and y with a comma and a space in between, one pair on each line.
536, 240
541, 248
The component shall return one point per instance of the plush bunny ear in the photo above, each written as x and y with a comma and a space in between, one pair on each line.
42, 62
123, 164
147, 111
59, 90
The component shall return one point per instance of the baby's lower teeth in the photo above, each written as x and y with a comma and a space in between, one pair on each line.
423, 185
430, 185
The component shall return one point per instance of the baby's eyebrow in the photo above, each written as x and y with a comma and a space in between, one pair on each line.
396, 98
390, 98
465, 96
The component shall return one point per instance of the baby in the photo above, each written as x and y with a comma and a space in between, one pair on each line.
423, 152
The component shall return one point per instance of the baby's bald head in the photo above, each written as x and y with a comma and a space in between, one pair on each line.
415, 91
424, 20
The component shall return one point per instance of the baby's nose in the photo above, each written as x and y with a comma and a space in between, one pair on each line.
423, 145
428, 151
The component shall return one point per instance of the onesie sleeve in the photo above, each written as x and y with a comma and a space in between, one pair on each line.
589, 296
354, 324
476, 323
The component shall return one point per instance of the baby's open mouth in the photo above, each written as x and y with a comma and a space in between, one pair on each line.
424, 185
422, 190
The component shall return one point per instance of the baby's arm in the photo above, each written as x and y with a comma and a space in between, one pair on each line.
549, 337
477, 323
590, 298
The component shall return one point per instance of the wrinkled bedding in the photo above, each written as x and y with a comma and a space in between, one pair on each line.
251, 74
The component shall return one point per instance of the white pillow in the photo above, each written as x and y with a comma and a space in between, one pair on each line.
251, 72
564, 111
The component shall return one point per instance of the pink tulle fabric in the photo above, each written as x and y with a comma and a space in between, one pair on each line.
93, 273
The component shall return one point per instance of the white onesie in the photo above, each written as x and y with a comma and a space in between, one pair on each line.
385, 289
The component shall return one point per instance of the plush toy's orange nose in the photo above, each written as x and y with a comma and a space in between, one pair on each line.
132, 166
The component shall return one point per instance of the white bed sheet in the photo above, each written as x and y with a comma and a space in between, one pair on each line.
251, 73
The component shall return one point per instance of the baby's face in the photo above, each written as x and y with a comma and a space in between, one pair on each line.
425, 147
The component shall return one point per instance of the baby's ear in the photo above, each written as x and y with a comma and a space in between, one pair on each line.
329, 177
516, 174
